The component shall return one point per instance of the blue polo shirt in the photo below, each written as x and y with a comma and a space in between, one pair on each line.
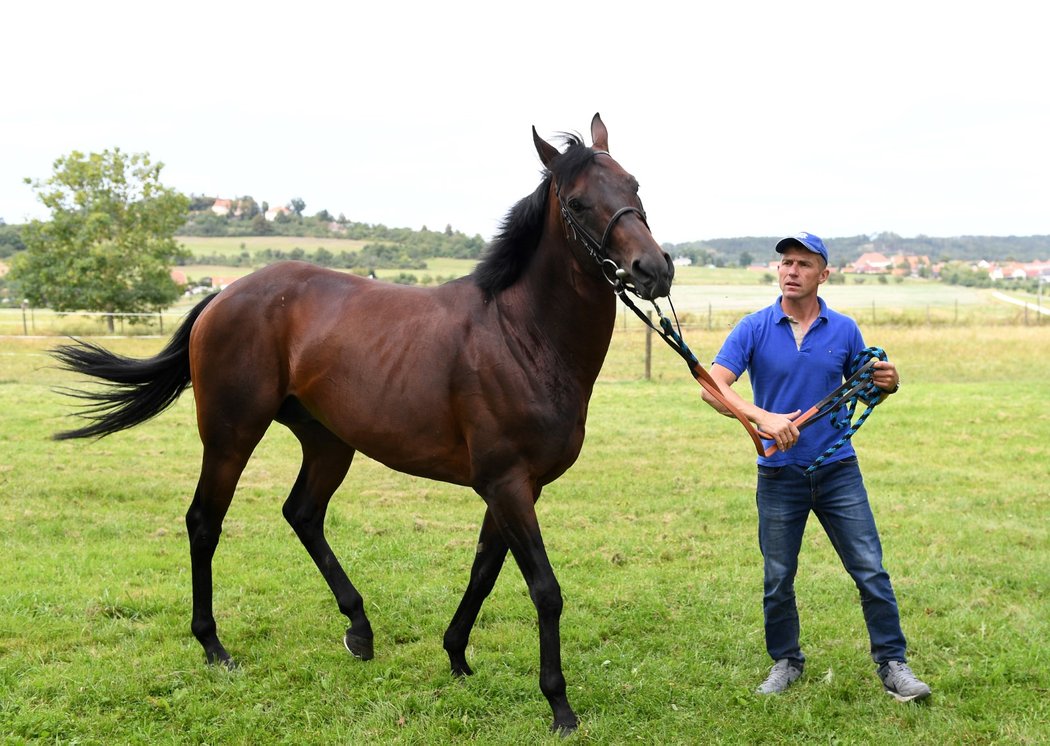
785, 377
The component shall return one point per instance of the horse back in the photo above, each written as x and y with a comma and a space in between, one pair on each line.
424, 380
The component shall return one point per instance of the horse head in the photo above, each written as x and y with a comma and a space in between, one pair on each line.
599, 204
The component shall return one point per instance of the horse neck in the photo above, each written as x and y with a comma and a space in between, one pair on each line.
566, 300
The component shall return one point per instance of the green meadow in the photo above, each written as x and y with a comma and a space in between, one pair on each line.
651, 533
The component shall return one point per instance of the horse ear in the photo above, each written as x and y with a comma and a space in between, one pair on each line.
547, 151
599, 135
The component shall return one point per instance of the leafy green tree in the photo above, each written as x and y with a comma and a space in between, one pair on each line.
10, 239
110, 243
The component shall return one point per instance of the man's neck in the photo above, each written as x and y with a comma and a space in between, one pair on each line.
804, 310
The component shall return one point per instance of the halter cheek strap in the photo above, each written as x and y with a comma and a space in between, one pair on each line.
597, 249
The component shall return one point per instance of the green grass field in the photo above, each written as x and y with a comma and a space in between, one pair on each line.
652, 534
703, 297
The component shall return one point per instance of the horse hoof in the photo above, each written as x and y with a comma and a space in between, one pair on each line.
221, 660
462, 671
359, 647
566, 728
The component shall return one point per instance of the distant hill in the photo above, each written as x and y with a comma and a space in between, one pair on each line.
723, 252
737, 251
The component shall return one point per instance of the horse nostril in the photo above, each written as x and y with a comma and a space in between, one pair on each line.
652, 275
639, 272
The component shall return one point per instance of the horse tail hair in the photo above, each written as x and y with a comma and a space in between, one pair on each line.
133, 390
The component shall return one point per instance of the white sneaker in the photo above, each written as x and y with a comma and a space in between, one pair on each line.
900, 683
780, 677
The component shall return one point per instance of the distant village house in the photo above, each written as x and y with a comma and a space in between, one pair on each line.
222, 207
275, 212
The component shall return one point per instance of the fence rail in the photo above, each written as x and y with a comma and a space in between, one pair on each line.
28, 321
1002, 310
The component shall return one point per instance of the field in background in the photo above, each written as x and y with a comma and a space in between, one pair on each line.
232, 246
652, 536
699, 306
703, 297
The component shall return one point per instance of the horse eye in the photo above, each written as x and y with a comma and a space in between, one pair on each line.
575, 204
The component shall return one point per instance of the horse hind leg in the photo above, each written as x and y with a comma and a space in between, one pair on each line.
326, 460
215, 488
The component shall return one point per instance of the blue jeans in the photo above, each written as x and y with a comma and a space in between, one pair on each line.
835, 493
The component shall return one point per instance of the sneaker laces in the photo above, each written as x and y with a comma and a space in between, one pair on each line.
780, 676
900, 677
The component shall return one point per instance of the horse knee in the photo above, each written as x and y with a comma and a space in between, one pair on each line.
203, 538
546, 596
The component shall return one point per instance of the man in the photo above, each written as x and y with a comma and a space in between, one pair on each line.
795, 351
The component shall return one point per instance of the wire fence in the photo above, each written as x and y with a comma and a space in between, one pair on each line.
1001, 310
34, 322
1007, 312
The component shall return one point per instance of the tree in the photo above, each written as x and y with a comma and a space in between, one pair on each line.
297, 206
110, 243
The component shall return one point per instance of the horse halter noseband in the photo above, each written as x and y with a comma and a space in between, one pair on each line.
616, 276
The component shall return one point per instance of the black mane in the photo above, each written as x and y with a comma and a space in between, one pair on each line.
510, 252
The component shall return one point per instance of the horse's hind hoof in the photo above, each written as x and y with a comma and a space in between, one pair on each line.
359, 647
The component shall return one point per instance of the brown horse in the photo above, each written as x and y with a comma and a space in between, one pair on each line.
482, 382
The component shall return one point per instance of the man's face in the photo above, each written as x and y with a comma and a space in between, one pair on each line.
800, 273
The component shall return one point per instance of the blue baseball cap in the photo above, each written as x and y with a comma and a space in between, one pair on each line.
807, 241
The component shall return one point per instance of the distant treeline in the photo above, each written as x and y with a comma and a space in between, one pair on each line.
389, 248
730, 252
407, 248
409, 255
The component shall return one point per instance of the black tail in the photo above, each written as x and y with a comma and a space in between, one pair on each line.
134, 390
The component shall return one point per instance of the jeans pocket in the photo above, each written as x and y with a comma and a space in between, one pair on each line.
850, 462
769, 472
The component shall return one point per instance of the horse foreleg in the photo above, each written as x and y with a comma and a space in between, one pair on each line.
326, 460
488, 561
515, 514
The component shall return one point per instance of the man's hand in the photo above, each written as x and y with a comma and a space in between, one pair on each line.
885, 376
779, 427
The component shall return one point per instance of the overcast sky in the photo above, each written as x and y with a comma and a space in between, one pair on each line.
747, 118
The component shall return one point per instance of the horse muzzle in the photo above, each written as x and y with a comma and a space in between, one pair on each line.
651, 276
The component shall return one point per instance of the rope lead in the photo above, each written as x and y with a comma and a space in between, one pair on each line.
869, 393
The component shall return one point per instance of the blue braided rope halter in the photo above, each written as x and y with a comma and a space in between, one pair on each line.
868, 392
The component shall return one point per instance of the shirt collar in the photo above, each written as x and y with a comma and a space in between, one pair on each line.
782, 318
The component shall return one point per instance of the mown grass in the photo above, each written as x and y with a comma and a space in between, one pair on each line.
652, 535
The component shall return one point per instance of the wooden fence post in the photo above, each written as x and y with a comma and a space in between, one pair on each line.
649, 346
